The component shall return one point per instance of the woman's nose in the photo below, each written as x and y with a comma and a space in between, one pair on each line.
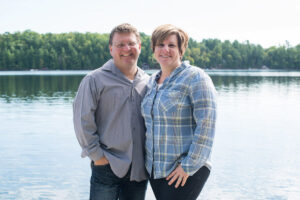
165, 48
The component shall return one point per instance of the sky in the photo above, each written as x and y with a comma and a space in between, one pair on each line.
264, 22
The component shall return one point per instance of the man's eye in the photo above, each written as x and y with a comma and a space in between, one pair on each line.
120, 45
161, 45
131, 44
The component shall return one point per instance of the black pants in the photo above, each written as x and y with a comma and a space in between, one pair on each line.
190, 191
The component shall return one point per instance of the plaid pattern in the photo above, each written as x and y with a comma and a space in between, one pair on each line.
180, 120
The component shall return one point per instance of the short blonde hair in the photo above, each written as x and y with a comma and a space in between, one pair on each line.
164, 31
124, 28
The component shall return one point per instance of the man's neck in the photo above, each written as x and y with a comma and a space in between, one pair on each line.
129, 72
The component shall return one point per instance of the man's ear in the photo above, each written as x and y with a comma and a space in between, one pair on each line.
110, 49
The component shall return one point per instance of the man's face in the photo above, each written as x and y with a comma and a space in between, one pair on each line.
125, 50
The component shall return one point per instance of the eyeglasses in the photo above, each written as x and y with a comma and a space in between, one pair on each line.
121, 45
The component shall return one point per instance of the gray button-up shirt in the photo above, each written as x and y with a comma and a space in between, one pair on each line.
108, 121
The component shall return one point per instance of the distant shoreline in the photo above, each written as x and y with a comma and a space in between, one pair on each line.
212, 72
69, 51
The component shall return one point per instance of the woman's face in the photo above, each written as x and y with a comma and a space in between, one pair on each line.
167, 53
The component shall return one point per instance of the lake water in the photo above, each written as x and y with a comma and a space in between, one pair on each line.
255, 156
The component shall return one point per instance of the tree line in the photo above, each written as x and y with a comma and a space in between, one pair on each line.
73, 51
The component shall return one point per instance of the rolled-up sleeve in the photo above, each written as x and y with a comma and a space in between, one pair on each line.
203, 97
84, 108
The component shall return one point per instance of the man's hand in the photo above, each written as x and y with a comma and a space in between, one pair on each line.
101, 161
179, 175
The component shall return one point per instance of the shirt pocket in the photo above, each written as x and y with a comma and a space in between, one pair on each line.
169, 101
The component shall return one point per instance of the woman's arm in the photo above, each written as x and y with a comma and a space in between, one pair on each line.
203, 99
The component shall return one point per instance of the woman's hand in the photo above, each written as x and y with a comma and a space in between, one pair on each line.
179, 175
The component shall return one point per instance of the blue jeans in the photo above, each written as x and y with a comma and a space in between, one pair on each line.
105, 185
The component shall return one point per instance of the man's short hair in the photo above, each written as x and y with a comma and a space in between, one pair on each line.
164, 31
124, 28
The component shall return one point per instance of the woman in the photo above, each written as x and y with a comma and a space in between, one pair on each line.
180, 112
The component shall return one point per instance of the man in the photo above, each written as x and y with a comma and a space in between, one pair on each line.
108, 122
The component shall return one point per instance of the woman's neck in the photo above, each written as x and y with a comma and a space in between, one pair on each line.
166, 72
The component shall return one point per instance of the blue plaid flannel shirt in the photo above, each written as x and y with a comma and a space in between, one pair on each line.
180, 119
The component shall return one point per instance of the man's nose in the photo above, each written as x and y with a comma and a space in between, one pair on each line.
126, 47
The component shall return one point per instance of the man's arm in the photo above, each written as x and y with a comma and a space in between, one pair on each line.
84, 108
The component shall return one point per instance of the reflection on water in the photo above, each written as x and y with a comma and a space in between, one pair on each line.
255, 153
32, 87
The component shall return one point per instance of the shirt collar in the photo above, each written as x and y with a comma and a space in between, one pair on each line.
176, 71
110, 66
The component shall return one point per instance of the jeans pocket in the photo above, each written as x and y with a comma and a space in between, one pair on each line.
105, 165
103, 174
103, 183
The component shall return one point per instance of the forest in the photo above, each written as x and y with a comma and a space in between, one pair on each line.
84, 51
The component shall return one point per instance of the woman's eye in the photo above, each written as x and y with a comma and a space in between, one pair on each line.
171, 45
